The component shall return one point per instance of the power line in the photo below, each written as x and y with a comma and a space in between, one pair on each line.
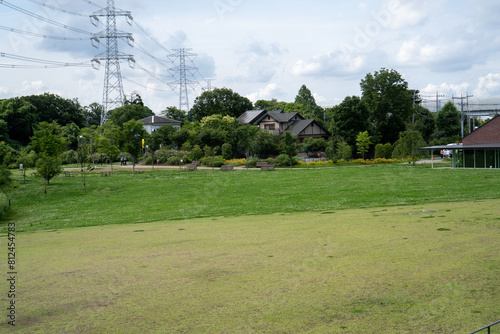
152, 38
92, 3
39, 17
56, 8
42, 35
144, 86
48, 63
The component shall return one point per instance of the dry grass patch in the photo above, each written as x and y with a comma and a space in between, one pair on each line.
350, 271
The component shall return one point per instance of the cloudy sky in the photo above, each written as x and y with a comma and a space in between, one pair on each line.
261, 49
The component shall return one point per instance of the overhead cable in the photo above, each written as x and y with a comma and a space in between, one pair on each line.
47, 63
43, 35
56, 8
39, 17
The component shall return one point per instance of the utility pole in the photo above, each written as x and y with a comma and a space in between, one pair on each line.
113, 95
181, 72
462, 104
437, 99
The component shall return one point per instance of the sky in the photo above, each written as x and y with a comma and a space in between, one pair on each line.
260, 49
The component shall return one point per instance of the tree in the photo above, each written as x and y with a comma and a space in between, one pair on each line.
305, 104
52, 107
48, 139
363, 143
246, 135
270, 105
289, 145
314, 144
408, 144
174, 113
390, 103
20, 117
5, 173
49, 143
132, 133
222, 101
425, 123
47, 167
93, 113
305, 98
448, 121
350, 118
129, 112
344, 150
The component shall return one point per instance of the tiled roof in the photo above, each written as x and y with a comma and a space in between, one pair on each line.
250, 116
298, 126
158, 120
486, 134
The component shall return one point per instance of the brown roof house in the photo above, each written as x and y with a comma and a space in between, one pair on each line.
479, 149
278, 122
153, 123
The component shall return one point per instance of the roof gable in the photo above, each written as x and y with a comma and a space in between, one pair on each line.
488, 133
299, 126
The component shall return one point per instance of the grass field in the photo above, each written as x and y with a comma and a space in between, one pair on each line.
176, 195
343, 250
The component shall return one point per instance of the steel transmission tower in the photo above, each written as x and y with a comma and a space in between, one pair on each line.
113, 95
181, 71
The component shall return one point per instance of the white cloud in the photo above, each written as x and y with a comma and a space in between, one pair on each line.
440, 55
406, 13
446, 89
331, 64
268, 92
34, 87
259, 62
488, 86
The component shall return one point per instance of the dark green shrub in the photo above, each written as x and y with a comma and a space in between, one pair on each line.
379, 151
174, 161
217, 161
69, 157
196, 153
227, 151
283, 160
4, 203
252, 161
5, 175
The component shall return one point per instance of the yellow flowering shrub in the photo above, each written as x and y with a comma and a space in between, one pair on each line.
236, 162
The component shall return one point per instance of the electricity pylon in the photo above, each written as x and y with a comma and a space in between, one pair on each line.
113, 95
181, 71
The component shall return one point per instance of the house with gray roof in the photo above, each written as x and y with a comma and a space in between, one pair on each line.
278, 121
153, 123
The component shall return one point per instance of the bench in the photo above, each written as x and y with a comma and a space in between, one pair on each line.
105, 173
260, 164
69, 174
267, 167
191, 167
226, 167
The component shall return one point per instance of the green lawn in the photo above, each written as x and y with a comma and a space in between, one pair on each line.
368, 249
175, 195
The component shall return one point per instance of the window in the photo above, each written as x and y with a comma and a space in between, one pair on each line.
270, 126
